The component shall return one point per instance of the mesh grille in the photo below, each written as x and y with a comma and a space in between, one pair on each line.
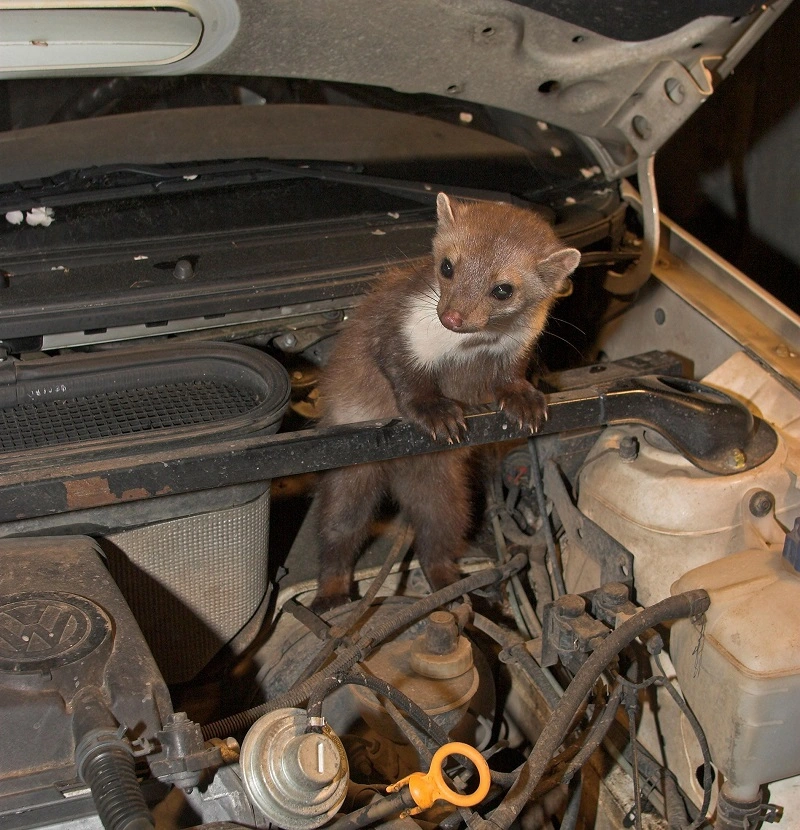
193, 583
124, 412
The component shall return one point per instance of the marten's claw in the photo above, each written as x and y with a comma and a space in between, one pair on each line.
325, 602
442, 419
523, 405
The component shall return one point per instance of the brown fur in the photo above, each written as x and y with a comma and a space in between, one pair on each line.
421, 346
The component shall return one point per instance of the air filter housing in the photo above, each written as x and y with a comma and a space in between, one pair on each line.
193, 567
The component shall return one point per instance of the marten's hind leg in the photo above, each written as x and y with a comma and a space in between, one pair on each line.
347, 499
434, 491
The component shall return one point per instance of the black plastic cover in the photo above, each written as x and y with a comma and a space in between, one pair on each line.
64, 627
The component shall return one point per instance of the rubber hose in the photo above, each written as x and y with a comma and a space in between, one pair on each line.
597, 732
511, 642
370, 638
110, 772
688, 604
676, 809
382, 808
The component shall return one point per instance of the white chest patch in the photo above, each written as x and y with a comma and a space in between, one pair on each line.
427, 338
430, 342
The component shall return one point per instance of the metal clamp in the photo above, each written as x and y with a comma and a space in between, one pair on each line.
427, 788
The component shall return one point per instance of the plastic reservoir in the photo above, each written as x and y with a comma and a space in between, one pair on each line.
743, 681
674, 517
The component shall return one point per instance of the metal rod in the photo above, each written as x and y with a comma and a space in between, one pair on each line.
715, 432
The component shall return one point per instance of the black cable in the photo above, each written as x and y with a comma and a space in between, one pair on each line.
597, 731
404, 703
512, 643
381, 808
631, 705
380, 687
371, 636
355, 614
688, 604
537, 484
569, 821
708, 778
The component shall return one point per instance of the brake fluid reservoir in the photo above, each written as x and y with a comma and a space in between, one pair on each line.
739, 668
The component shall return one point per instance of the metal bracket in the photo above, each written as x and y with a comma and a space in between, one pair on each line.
666, 99
615, 561
634, 277
316, 625
661, 104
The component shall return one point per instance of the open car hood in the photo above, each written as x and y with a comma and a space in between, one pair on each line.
624, 76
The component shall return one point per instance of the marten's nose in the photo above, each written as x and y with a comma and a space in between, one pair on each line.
452, 320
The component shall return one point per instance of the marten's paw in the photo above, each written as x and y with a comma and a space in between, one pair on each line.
325, 602
442, 419
524, 405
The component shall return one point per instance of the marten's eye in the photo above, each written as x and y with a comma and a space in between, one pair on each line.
502, 291
446, 268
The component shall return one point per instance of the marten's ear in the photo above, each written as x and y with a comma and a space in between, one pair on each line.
558, 266
444, 211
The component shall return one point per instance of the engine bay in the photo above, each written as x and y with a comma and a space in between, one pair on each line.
184, 243
619, 651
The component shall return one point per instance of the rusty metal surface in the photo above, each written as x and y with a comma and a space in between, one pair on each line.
97, 479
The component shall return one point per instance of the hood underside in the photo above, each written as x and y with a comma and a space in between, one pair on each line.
623, 75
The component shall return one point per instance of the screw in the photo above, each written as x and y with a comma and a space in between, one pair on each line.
286, 341
761, 503
184, 270
629, 448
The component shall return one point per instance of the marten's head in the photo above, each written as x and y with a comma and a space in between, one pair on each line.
495, 262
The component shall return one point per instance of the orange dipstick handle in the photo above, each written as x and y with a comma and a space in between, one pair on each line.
426, 788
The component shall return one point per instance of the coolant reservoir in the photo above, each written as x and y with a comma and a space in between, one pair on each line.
673, 516
739, 668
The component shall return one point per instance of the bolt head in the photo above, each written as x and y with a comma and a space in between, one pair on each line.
570, 605
761, 503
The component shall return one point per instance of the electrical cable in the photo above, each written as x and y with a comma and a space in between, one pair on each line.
688, 604
380, 808
708, 777
569, 820
371, 637
401, 701
597, 731
391, 693
524, 615
631, 705
402, 542
537, 484
512, 643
